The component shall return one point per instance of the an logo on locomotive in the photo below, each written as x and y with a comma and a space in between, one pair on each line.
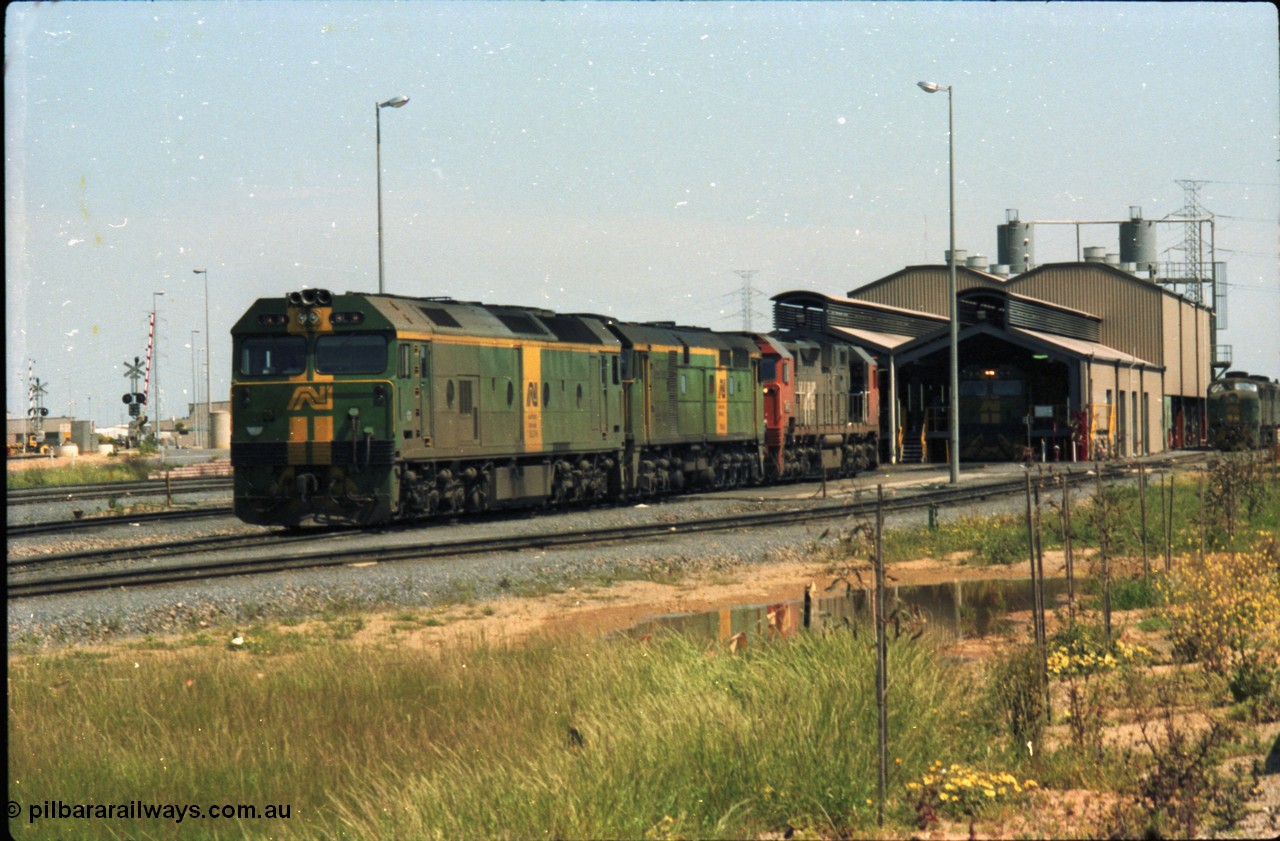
319, 398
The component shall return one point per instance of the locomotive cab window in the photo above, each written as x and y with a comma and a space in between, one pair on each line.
262, 356
768, 369
351, 353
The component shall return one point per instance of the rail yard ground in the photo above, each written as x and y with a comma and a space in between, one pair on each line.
524, 715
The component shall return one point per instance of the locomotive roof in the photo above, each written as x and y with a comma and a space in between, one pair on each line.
445, 316
809, 344
1245, 375
671, 335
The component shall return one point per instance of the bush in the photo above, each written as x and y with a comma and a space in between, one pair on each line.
1225, 610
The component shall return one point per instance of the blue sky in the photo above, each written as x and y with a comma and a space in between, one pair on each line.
622, 158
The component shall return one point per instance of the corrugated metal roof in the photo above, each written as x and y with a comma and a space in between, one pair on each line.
1081, 348
870, 338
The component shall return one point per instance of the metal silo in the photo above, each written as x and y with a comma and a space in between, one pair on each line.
1138, 240
1015, 247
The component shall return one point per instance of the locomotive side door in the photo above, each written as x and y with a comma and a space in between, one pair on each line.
603, 414
423, 389
468, 427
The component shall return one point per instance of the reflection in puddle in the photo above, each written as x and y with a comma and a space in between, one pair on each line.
957, 609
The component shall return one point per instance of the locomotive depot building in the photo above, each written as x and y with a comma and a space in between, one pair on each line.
1072, 361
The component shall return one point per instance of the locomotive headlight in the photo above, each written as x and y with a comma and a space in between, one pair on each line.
314, 317
379, 395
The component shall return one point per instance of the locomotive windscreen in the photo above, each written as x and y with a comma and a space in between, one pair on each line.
272, 355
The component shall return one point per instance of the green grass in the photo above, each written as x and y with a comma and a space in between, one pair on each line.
982, 540
128, 469
1002, 539
677, 737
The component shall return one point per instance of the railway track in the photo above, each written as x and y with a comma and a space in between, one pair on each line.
111, 490
70, 527
33, 577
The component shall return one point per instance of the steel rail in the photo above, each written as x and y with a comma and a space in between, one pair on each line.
931, 497
574, 537
107, 490
89, 523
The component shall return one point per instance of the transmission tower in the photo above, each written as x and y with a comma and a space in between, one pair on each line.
1193, 266
1200, 277
747, 290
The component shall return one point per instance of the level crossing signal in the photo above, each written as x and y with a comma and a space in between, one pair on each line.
135, 400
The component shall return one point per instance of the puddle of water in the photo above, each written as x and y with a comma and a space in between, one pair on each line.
954, 610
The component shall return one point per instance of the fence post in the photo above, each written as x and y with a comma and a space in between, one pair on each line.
882, 662
1066, 541
1142, 504
1104, 527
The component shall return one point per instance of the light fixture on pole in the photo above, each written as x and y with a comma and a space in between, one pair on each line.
394, 102
195, 388
207, 440
954, 413
155, 365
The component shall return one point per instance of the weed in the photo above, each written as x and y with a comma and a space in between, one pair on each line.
1225, 610
957, 790
1015, 697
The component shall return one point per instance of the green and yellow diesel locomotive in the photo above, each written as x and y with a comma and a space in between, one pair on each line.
1244, 412
363, 409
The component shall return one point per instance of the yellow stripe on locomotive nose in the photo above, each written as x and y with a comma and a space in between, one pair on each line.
299, 432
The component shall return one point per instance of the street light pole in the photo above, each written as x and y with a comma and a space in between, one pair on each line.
394, 102
155, 364
207, 440
195, 387
954, 413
